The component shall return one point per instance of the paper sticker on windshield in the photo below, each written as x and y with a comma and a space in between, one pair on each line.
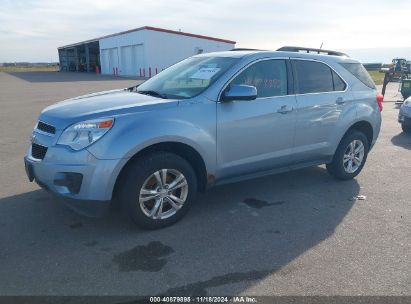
205, 73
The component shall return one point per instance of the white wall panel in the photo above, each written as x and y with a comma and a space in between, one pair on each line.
165, 49
145, 49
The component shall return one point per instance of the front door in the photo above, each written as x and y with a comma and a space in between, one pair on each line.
257, 135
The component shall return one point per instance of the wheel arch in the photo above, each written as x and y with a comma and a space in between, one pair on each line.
365, 127
187, 152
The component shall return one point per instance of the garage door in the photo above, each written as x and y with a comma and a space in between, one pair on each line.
104, 62
127, 61
132, 59
109, 60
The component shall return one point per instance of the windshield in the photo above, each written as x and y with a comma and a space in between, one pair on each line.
187, 78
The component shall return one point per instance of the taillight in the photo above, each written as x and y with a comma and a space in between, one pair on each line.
380, 99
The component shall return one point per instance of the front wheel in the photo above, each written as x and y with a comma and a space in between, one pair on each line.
350, 157
158, 189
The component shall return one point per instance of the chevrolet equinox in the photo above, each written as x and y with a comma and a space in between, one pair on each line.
210, 119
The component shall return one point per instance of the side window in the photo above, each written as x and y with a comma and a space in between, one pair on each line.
339, 84
312, 77
268, 76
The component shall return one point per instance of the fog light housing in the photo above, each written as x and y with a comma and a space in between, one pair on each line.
71, 180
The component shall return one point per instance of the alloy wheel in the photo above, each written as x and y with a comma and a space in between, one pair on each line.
163, 193
353, 156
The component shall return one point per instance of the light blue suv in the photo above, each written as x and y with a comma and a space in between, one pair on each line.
207, 120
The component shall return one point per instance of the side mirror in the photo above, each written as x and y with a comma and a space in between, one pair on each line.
239, 92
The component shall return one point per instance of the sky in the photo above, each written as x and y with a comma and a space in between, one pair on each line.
370, 30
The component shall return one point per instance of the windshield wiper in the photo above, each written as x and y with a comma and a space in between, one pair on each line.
153, 93
132, 89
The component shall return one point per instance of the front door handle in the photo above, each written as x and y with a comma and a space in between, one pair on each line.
340, 101
284, 109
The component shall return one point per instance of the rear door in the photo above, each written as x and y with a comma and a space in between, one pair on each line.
257, 135
321, 97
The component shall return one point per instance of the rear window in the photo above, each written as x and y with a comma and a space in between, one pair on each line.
360, 73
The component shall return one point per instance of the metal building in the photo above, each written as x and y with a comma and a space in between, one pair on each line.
143, 51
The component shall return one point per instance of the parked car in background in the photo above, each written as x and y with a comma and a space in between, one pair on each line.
404, 117
208, 120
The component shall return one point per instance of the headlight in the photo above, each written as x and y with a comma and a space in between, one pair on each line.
83, 134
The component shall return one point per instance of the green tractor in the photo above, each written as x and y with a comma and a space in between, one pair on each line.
399, 70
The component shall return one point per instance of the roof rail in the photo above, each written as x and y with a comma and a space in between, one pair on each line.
245, 49
300, 49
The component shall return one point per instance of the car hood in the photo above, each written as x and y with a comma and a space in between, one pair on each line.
102, 104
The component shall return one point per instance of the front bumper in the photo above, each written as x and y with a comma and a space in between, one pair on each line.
75, 175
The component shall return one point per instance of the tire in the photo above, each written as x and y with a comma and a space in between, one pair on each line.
339, 167
147, 172
406, 128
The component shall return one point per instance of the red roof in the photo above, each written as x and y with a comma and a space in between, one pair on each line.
151, 28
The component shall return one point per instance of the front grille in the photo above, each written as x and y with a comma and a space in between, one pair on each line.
38, 151
46, 127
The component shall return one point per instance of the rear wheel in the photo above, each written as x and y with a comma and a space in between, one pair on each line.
350, 157
158, 189
406, 128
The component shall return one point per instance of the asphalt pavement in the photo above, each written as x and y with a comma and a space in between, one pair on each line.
297, 233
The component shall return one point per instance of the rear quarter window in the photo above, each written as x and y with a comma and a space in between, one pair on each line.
339, 84
358, 70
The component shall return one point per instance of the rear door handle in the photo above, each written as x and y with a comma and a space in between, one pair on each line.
284, 109
340, 101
